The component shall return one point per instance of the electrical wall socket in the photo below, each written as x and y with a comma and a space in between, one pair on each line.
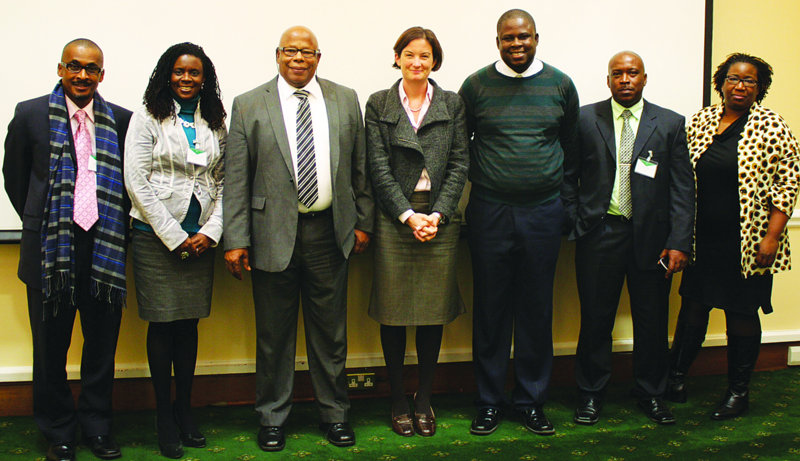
360, 381
794, 355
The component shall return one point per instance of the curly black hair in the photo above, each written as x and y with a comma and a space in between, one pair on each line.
158, 97
763, 70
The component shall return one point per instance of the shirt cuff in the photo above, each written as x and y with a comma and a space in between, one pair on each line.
406, 214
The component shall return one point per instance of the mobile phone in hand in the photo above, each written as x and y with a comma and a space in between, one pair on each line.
664, 263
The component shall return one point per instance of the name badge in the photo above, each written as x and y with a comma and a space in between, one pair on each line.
197, 157
92, 163
646, 167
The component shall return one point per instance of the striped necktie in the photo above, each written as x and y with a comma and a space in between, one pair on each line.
624, 157
84, 209
307, 191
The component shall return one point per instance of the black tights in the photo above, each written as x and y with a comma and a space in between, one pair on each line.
737, 324
393, 341
173, 345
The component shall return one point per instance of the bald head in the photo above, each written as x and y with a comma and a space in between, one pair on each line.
298, 56
623, 55
626, 78
84, 43
298, 32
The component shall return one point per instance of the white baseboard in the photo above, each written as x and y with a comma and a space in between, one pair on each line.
372, 359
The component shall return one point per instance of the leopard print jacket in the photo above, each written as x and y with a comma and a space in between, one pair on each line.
769, 171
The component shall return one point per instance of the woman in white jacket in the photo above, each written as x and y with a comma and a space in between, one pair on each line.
174, 176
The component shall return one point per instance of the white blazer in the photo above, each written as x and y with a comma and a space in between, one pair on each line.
160, 181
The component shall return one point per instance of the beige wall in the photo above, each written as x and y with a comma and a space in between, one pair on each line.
768, 30
227, 338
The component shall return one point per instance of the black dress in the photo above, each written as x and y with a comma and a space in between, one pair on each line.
715, 279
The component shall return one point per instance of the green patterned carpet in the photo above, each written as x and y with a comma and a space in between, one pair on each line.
771, 430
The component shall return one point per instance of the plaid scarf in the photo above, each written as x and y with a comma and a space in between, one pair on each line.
108, 252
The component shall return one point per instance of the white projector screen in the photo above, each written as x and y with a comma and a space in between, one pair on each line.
356, 39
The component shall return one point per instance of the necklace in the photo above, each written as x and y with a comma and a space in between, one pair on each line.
185, 123
415, 110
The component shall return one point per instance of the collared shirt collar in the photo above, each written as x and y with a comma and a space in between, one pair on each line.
535, 67
404, 96
286, 91
636, 109
72, 108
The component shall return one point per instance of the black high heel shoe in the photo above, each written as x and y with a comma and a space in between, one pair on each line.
190, 436
169, 443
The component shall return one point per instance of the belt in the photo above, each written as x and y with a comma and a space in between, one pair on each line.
315, 214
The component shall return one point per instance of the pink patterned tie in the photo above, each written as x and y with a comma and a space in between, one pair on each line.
85, 202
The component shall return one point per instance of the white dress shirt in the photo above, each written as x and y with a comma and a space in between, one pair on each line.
535, 67
322, 147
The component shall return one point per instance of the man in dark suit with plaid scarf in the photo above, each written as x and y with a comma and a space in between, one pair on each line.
63, 174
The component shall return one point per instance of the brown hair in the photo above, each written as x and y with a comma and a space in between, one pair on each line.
415, 33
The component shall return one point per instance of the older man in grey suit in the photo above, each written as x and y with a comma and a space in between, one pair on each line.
297, 203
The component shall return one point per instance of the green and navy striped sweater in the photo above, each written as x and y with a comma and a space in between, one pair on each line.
520, 130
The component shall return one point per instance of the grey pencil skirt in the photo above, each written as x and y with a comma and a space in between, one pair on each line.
415, 283
167, 288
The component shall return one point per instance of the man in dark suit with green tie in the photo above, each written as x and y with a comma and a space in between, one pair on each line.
629, 195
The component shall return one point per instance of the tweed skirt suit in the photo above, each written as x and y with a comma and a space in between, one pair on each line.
415, 283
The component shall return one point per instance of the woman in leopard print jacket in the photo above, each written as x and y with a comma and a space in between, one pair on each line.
746, 167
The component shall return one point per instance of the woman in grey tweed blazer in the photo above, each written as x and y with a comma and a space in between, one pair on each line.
417, 155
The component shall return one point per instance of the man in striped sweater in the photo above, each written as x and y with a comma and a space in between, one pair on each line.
521, 117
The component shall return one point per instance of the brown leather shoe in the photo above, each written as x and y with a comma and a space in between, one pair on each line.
425, 425
402, 425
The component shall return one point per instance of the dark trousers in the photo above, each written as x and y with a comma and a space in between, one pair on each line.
318, 272
604, 258
53, 404
514, 252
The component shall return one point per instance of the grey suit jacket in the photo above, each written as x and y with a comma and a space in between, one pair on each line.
663, 206
260, 205
396, 154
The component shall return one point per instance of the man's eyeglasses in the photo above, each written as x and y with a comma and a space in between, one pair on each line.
291, 52
747, 82
75, 68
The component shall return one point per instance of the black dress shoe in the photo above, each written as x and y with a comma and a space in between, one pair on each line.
61, 451
339, 434
732, 405
676, 387
589, 411
172, 450
169, 442
486, 422
190, 436
193, 439
655, 409
103, 446
271, 438
535, 421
